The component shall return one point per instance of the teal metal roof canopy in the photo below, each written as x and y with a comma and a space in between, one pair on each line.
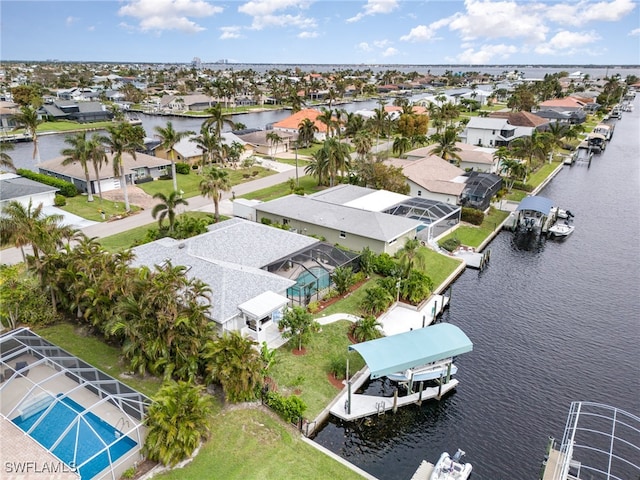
397, 353
537, 204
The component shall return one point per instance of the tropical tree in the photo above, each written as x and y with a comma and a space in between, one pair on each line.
401, 145
233, 361
123, 138
79, 151
326, 117
531, 147
29, 119
216, 120
97, 157
362, 143
298, 324
274, 139
5, 158
215, 181
412, 256
318, 166
416, 286
209, 143
343, 278
306, 131
168, 139
446, 147
167, 208
337, 156
376, 300
177, 422
367, 328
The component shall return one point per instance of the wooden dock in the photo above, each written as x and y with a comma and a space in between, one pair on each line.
367, 405
424, 471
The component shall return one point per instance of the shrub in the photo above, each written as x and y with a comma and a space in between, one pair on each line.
59, 200
472, 216
289, 408
183, 168
266, 221
523, 186
338, 366
450, 244
67, 189
146, 179
385, 265
359, 277
313, 307
165, 177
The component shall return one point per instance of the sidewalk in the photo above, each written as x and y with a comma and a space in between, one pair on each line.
11, 256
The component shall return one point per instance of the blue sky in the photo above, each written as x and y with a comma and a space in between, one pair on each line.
417, 32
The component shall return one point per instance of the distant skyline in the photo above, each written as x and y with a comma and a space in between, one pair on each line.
418, 32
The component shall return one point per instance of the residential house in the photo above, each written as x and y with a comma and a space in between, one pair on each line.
472, 157
479, 189
491, 132
254, 271
523, 119
263, 145
292, 123
348, 226
181, 103
8, 111
570, 106
142, 168
432, 177
23, 190
77, 111
185, 151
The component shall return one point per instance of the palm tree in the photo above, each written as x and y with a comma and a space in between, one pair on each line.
167, 208
79, 151
337, 156
215, 182
28, 117
177, 422
318, 166
98, 157
326, 117
217, 120
401, 145
306, 131
274, 139
343, 278
123, 138
168, 139
5, 158
367, 328
376, 300
412, 256
446, 147
362, 143
234, 362
209, 143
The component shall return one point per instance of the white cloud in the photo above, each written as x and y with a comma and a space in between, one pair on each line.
380, 43
229, 33
298, 21
565, 42
308, 35
91, 28
70, 21
390, 52
486, 54
264, 13
502, 19
420, 33
364, 46
635, 32
575, 14
259, 8
158, 15
374, 7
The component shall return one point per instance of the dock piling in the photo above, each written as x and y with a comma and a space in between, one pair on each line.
395, 401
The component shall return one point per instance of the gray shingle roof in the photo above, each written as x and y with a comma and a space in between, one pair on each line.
375, 225
13, 186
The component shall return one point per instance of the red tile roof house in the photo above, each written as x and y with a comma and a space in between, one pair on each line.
292, 124
562, 104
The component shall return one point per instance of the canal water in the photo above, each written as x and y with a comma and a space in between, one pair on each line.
551, 321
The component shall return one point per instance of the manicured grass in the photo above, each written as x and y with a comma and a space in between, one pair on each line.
97, 353
350, 304
251, 444
67, 126
439, 266
472, 235
190, 184
542, 173
308, 373
309, 184
137, 235
91, 210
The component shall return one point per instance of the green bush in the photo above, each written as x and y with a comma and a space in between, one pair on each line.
472, 216
183, 168
289, 408
338, 366
59, 200
385, 265
450, 244
313, 307
266, 221
67, 189
525, 187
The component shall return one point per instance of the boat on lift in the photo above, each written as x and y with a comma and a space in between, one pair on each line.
451, 468
431, 371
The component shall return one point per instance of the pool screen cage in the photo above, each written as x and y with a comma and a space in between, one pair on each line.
311, 268
479, 189
437, 217
22, 351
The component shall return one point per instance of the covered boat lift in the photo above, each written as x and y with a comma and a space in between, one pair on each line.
534, 213
397, 353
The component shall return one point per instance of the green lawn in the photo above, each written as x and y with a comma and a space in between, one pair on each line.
472, 235
91, 210
249, 444
542, 173
308, 373
309, 184
439, 266
97, 353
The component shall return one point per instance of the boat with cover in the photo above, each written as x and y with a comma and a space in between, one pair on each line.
451, 468
431, 371
561, 230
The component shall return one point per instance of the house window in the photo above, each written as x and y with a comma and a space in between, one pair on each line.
493, 132
419, 193
491, 143
343, 234
285, 221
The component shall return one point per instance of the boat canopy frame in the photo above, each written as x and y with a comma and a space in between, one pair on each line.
396, 353
536, 204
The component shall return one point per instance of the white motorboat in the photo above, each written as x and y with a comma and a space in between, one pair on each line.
431, 371
563, 214
451, 468
561, 230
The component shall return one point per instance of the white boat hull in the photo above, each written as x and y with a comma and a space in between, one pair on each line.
561, 230
423, 374
448, 468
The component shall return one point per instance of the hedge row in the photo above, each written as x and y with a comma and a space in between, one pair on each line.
472, 216
66, 188
289, 408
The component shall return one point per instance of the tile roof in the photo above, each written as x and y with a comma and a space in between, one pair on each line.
521, 119
293, 121
568, 102
431, 172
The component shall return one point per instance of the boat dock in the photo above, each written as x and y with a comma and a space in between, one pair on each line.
367, 405
473, 259
424, 471
404, 318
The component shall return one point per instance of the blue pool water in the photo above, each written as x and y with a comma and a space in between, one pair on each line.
306, 278
89, 430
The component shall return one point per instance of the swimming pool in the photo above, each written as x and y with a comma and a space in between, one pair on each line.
88, 435
309, 277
